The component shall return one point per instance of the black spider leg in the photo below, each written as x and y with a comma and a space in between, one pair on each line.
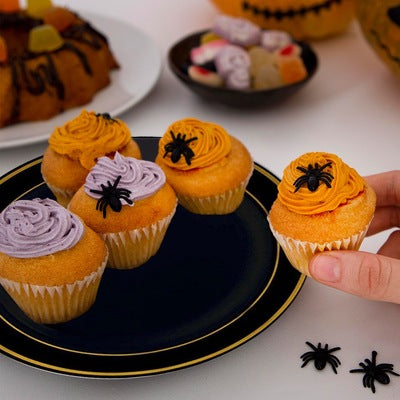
299, 182
373, 372
317, 352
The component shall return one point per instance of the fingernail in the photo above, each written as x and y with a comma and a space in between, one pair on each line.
325, 268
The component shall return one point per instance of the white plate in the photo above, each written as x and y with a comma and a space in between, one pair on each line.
140, 67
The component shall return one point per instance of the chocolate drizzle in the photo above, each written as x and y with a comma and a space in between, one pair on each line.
39, 79
35, 80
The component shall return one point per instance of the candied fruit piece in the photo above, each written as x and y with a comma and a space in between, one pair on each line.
205, 76
37, 8
44, 38
3, 50
208, 37
59, 17
292, 69
9, 6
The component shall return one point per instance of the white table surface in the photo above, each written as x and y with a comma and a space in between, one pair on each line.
351, 108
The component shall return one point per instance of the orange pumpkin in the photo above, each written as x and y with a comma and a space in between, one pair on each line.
380, 23
303, 19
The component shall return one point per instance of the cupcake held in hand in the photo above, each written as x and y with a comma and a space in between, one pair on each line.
128, 202
74, 148
322, 204
208, 168
51, 263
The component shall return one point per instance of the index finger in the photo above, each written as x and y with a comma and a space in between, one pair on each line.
387, 187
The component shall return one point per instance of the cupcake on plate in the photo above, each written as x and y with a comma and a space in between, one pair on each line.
128, 202
51, 263
208, 168
322, 204
74, 148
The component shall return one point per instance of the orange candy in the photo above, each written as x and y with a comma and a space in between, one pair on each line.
60, 18
9, 6
3, 50
37, 8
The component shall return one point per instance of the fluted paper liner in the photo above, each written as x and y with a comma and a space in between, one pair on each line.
130, 249
55, 304
219, 204
63, 197
299, 252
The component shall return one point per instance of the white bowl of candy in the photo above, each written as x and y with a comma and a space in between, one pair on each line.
237, 63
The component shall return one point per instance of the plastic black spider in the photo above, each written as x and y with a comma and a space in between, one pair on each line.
313, 175
374, 372
178, 147
106, 116
321, 356
111, 196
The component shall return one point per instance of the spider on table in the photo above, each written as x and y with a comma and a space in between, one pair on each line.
375, 372
321, 356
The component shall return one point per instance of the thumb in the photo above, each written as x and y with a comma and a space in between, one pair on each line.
364, 274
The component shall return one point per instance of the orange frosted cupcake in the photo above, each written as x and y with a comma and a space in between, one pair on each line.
51, 263
208, 168
128, 202
74, 148
322, 204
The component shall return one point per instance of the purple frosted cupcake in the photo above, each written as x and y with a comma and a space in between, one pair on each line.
51, 263
128, 202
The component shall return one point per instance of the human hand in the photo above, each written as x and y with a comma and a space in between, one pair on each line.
373, 276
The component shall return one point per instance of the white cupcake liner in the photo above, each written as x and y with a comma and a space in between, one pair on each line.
130, 249
54, 304
219, 204
299, 252
63, 196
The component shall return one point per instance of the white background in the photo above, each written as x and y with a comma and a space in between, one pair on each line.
351, 108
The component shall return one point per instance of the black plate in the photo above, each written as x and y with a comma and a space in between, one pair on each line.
216, 282
178, 61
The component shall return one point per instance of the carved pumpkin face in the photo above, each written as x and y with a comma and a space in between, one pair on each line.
303, 19
380, 22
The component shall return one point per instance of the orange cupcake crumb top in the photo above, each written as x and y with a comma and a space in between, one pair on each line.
190, 143
90, 136
318, 182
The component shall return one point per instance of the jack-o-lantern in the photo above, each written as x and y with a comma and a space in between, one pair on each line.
303, 19
380, 22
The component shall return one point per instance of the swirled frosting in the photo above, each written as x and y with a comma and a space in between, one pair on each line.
140, 177
38, 227
212, 143
90, 136
345, 185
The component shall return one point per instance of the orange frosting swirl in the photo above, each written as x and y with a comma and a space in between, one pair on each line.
345, 185
90, 136
212, 143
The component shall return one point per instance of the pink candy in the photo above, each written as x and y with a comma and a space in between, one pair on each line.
207, 51
237, 30
202, 75
273, 40
233, 60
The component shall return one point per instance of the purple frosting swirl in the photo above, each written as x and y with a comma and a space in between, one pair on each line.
142, 178
237, 30
38, 227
